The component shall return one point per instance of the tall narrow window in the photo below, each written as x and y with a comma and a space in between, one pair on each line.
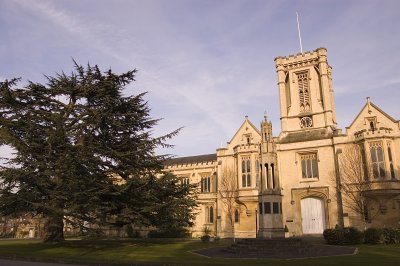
236, 216
389, 149
273, 175
246, 172
209, 214
304, 94
287, 90
378, 164
257, 173
309, 165
205, 184
267, 176
364, 161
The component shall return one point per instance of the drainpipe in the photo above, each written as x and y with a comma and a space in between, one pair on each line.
339, 189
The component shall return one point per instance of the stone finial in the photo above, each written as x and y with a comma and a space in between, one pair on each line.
265, 116
369, 104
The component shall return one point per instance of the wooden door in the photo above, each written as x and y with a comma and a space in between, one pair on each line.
313, 215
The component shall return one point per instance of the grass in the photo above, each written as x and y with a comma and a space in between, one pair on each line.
170, 251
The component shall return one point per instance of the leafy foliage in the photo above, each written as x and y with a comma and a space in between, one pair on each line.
343, 236
373, 236
391, 236
85, 153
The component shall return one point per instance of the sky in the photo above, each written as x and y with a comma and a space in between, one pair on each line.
206, 64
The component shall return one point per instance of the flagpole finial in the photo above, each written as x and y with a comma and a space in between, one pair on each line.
298, 29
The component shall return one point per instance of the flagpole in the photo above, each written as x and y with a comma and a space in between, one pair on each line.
298, 29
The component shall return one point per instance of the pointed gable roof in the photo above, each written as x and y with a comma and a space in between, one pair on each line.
371, 110
368, 105
246, 123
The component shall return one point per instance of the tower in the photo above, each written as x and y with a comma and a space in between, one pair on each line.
269, 196
305, 92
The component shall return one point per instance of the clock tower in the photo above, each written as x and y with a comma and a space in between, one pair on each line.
306, 94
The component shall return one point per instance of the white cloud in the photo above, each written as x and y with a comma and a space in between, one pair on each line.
208, 63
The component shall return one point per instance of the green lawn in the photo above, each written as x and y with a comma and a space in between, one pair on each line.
175, 252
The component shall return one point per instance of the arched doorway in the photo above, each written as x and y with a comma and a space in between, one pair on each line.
313, 215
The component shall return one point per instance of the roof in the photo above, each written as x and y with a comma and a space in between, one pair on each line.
377, 108
244, 122
192, 159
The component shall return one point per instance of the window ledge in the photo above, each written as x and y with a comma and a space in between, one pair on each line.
306, 180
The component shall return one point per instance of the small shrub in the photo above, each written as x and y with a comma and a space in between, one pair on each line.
334, 236
373, 236
205, 238
345, 236
353, 236
391, 236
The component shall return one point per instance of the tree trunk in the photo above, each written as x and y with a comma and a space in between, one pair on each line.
54, 229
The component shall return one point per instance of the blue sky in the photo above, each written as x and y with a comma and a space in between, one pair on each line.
206, 64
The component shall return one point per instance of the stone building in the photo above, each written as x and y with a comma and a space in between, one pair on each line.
296, 180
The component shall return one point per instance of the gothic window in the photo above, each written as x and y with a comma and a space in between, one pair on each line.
247, 138
392, 174
309, 165
364, 161
378, 163
237, 216
372, 123
273, 175
304, 91
257, 167
287, 90
246, 172
260, 207
209, 214
205, 184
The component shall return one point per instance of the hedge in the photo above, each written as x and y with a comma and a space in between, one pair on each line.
345, 236
353, 236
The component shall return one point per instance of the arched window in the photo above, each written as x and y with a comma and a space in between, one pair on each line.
304, 96
246, 172
236, 216
257, 173
378, 164
209, 213
371, 125
392, 174
273, 175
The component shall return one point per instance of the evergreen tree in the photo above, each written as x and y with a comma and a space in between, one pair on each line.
85, 154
